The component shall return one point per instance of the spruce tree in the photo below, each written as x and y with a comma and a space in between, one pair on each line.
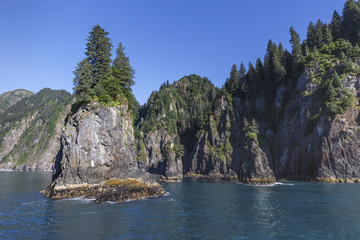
336, 80
82, 82
335, 25
274, 71
259, 73
326, 34
98, 52
310, 36
252, 81
296, 48
243, 83
122, 64
351, 21
232, 83
319, 38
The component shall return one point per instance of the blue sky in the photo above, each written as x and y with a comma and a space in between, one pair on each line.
43, 40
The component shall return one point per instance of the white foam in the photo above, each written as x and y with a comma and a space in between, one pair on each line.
267, 185
80, 199
284, 184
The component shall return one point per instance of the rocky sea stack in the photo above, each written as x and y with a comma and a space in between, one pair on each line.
97, 158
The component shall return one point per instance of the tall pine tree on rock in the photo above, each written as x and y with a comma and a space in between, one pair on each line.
99, 78
98, 52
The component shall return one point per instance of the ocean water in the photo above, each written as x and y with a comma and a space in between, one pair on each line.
193, 209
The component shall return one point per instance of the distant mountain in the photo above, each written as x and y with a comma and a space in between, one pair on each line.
7, 99
30, 128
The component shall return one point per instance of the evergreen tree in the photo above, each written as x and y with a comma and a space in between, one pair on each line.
326, 34
319, 38
82, 82
243, 83
232, 83
98, 52
351, 21
274, 71
296, 48
336, 80
124, 72
310, 36
242, 71
335, 25
252, 80
259, 73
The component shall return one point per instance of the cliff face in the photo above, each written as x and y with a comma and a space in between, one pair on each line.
168, 124
97, 144
305, 143
228, 150
97, 158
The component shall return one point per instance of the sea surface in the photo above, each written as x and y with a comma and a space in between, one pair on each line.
193, 209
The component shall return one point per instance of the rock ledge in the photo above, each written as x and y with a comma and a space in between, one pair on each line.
114, 190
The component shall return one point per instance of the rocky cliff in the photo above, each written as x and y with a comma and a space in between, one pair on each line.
304, 142
168, 124
97, 158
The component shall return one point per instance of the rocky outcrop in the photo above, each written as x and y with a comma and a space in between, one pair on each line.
227, 150
161, 157
98, 144
114, 190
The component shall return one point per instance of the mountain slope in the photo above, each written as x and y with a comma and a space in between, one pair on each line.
7, 99
169, 122
30, 129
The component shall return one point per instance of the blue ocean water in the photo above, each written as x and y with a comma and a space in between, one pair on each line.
193, 209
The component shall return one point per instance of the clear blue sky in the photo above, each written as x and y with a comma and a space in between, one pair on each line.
43, 40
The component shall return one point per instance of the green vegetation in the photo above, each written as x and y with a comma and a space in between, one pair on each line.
98, 78
329, 53
251, 132
181, 108
8, 99
46, 108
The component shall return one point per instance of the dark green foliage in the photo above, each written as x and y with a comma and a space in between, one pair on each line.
125, 72
82, 82
243, 83
232, 84
351, 21
259, 72
178, 147
98, 52
95, 78
340, 53
274, 71
296, 49
251, 132
336, 80
253, 81
335, 26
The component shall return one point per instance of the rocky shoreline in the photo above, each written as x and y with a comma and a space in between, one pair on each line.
114, 190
